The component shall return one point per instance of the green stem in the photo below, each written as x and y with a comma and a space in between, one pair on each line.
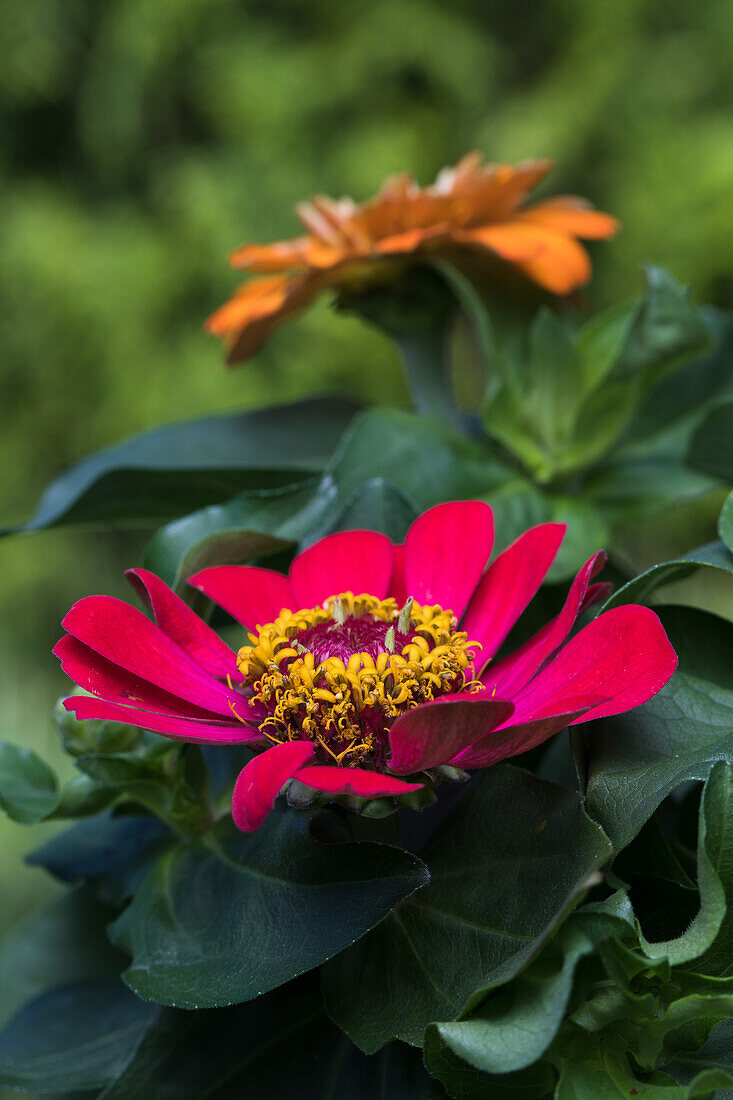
427, 371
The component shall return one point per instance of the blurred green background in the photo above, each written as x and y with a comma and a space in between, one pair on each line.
141, 140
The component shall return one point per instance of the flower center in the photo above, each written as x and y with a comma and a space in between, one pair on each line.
339, 674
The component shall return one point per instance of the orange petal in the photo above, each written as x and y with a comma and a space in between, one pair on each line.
320, 222
554, 261
572, 215
512, 241
410, 240
495, 191
281, 256
259, 306
561, 266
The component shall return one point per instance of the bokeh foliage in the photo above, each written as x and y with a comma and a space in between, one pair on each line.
141, 140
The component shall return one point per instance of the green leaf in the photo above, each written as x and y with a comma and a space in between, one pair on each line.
267, 907
703, 1010
73, 1037
81, 796
595, 1067
667, 327
632, 761
713, 556
711, 447
715, 1054
506, 866
170, 470
517, 1024
277, 1047
565, 399
635, 487
700, 942
144, 778
422, 458
250, 525
678, 404
554, 379
715, 881
29, 790
601, 339
725, 523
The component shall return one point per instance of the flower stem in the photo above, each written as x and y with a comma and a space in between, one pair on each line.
427, 371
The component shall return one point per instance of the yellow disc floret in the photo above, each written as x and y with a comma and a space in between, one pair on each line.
339, 674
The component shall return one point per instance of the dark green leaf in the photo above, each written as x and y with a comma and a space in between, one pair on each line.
378, 506
664, 897
713, 556
29, 790
250, 525
112, 852
463, 1082
423, 463
170, 470
505, 867
73, 1037
711, 447
277, 1047
632, 761
517, 1024
265, 908
63, 941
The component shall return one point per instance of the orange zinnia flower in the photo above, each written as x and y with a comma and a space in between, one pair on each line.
348, 245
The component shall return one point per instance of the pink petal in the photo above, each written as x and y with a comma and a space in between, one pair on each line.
131, 641
181, 729
179, 622
349, 561
260, 782
597, 593
511, 739
354, 781
515, 670
107, 681
251, 595
397, 585
624, 655
432, 734
508, 586
446, 551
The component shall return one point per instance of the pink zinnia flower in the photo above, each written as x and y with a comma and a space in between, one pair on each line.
385, 667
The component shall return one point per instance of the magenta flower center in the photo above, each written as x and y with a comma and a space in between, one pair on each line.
339, 674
